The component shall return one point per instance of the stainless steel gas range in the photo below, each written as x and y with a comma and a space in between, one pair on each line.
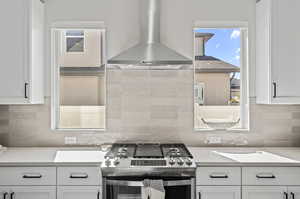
128, 166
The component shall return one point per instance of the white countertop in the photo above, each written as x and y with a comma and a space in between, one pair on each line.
47, 156
204, 156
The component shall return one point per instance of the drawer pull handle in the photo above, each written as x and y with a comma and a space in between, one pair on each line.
218, 176
4, 195
12, 194
293, 195
32, 176
265, 176
79, 176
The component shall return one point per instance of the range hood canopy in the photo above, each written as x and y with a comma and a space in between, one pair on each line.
150, 51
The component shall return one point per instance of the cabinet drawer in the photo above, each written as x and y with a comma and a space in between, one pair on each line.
27, 176
271, 176
79, 176
218, 176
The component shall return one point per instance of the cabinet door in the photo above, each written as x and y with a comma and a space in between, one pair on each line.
32, 192
285, 46
219, 192
294, 192
21, 52
264, 192
12, 50
79, 192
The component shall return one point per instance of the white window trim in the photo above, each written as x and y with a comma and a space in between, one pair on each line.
244, 73
55, 35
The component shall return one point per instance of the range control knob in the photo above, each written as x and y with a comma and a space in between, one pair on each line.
171, 161
180, 161
188, 162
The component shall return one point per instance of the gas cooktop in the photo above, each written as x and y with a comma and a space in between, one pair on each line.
148, 155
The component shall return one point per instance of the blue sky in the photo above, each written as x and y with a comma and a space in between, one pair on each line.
224, 45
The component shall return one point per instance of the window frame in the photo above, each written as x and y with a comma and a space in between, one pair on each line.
244, 70
56, 33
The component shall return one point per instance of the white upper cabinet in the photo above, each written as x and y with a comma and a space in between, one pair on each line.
21, 52
277, 51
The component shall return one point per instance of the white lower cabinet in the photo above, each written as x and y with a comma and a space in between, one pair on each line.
218, 192
28, 192
271, 192
265, 192
294, 192
79, 192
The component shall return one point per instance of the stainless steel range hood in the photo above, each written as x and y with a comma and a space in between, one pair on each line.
150, 51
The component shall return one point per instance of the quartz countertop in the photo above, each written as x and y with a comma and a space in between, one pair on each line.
40, 156
204, 156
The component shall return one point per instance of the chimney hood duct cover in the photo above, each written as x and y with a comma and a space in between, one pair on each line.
150, 51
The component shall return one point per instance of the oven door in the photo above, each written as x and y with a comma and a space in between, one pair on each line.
132, 188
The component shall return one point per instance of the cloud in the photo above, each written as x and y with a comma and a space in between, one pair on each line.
237, 57
218, 45
238, 51
235, 34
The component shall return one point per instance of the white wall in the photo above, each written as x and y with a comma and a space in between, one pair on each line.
177, 19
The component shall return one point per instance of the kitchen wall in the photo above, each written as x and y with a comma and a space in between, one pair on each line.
150, 106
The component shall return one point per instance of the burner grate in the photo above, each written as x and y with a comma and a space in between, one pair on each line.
148, 151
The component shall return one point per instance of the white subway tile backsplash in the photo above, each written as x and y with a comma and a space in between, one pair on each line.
150, 106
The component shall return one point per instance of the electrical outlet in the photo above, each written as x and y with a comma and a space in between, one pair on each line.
71, 140
214, 140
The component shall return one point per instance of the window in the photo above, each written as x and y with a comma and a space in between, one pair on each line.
220, 87
75, 41
79, 80
199, 93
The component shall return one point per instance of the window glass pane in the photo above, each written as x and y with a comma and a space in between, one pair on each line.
217, 78
81, 51
81, 101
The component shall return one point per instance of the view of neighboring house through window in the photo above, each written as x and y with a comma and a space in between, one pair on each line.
80, 82
218, 54
75, 41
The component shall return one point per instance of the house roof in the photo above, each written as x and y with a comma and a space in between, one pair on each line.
209, 64
206, 36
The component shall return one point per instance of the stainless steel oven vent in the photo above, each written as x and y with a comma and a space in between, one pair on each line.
150, 51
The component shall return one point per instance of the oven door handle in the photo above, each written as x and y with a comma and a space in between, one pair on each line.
141, 184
